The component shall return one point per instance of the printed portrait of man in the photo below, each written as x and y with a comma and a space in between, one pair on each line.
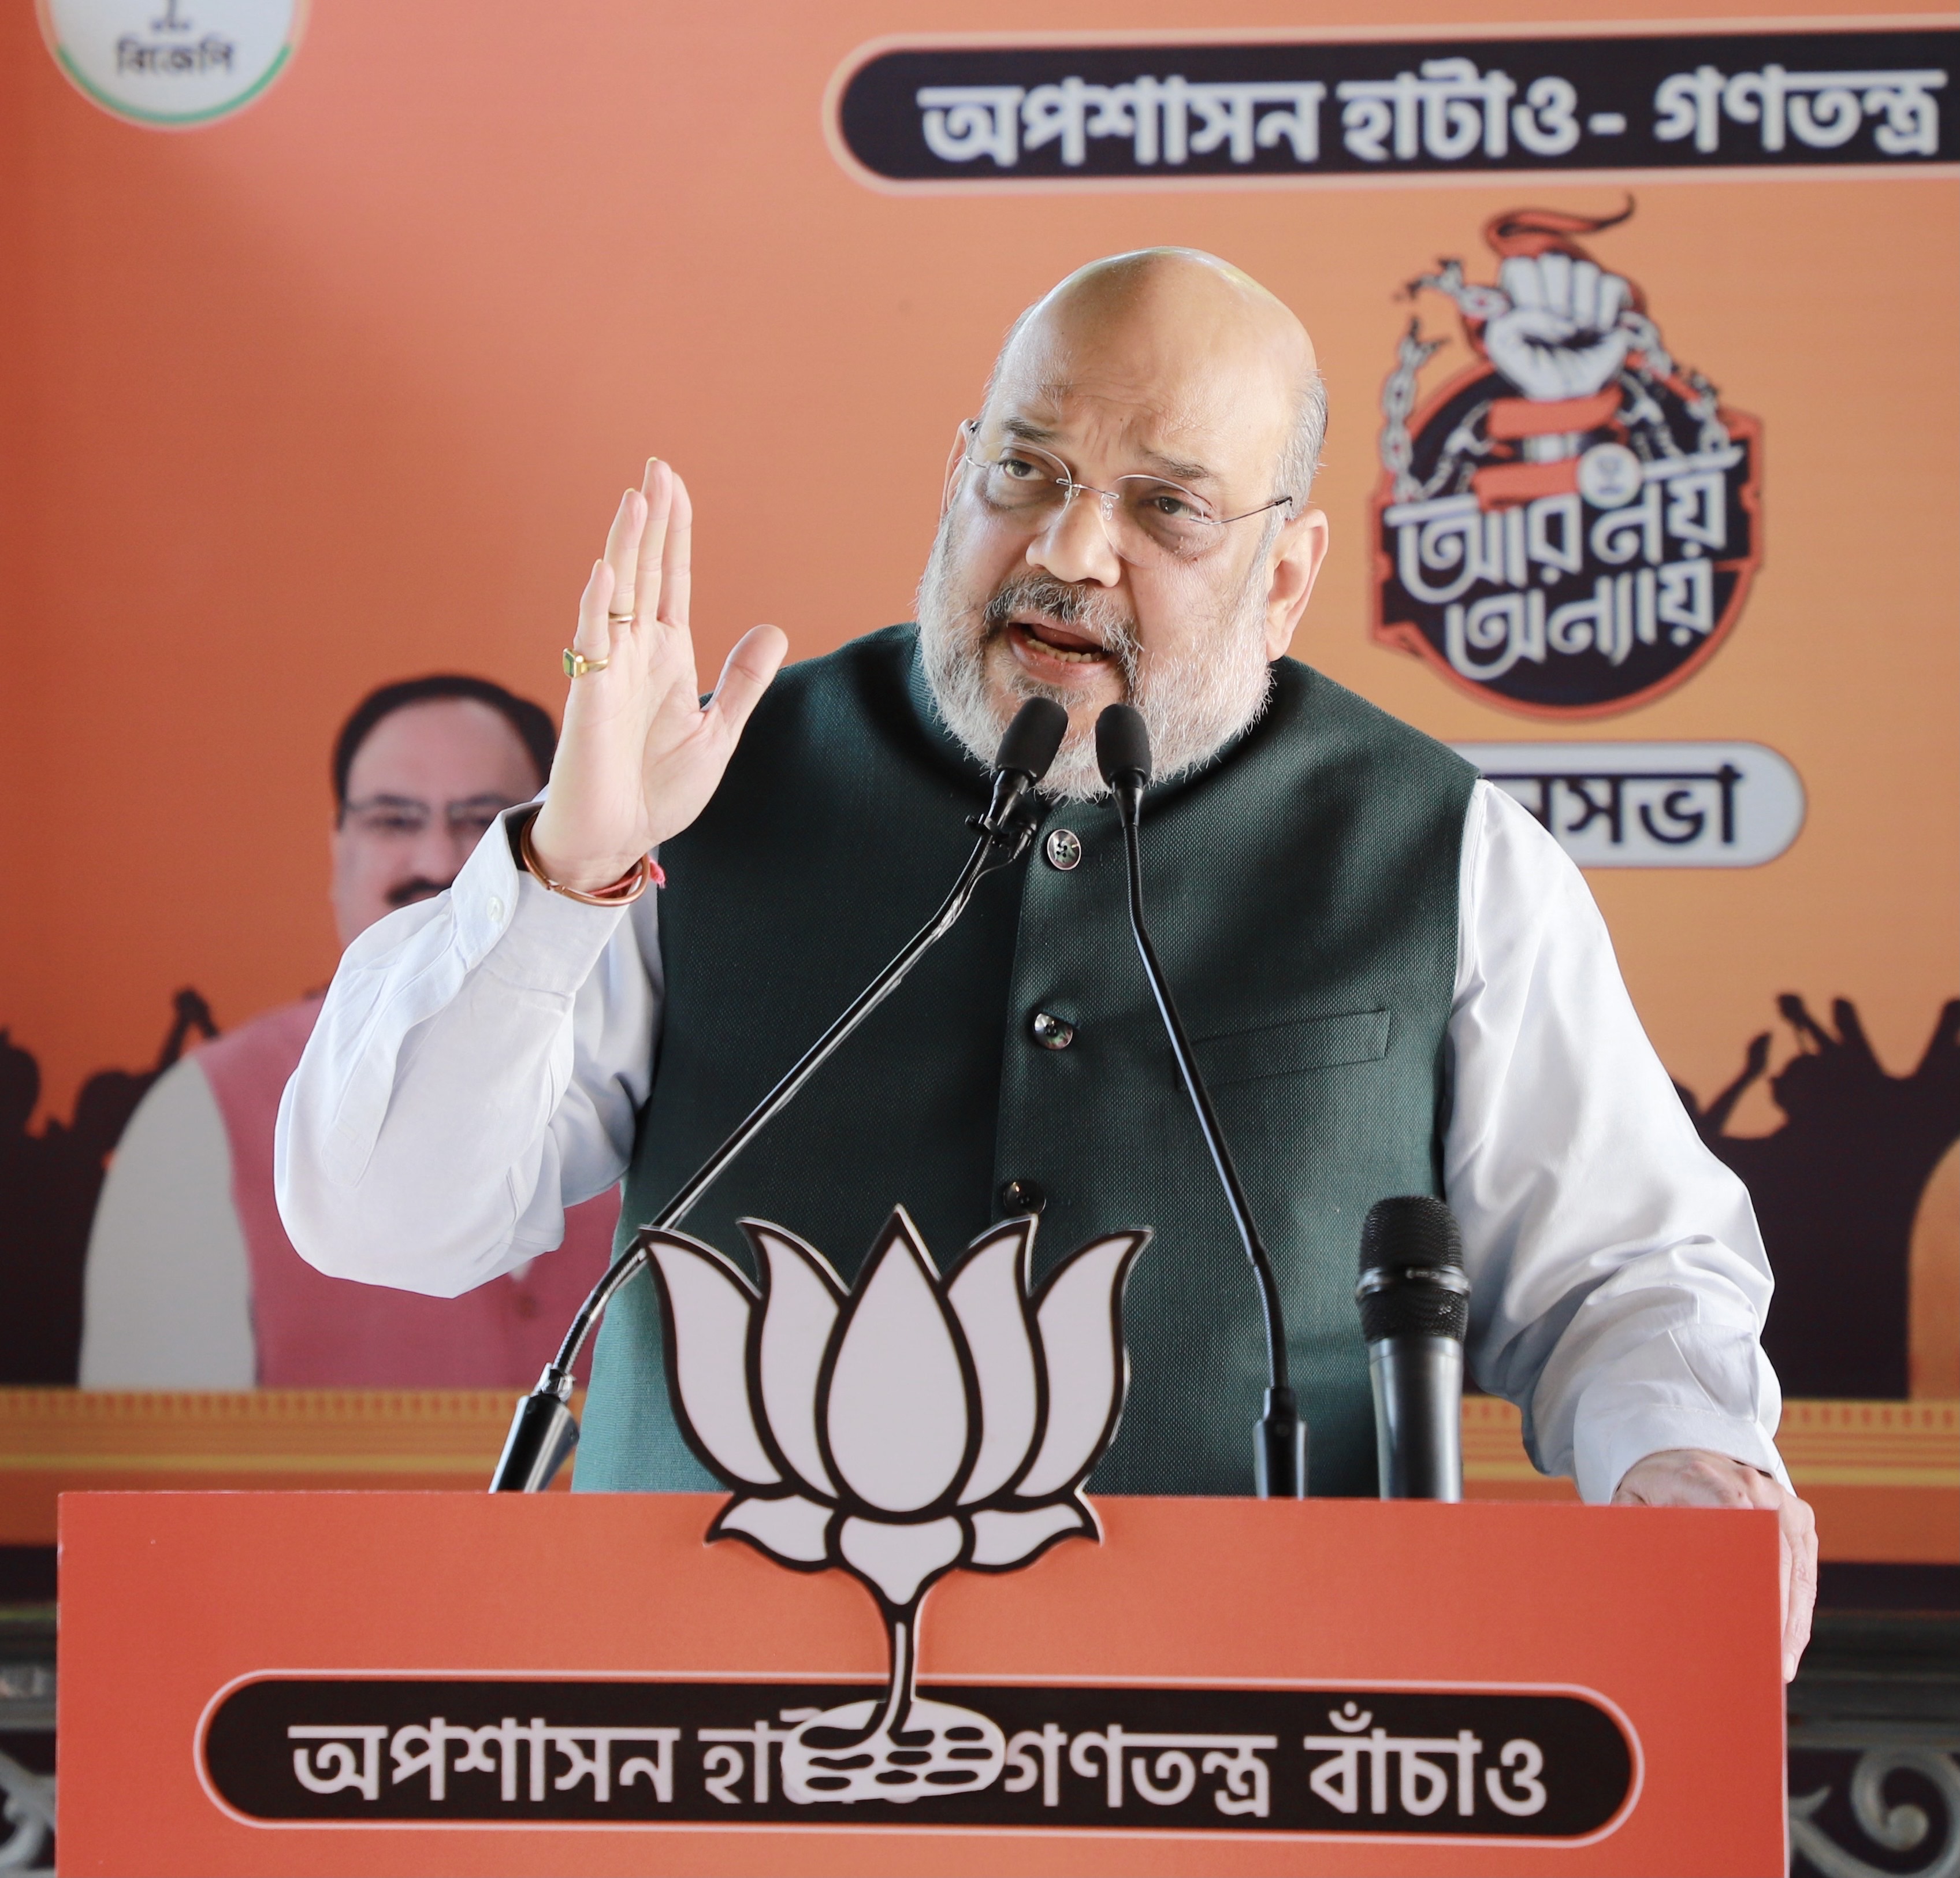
192, 1282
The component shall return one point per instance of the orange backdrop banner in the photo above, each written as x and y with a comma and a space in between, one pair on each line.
343, 387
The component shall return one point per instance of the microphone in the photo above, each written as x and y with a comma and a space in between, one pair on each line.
1414, 1297
1279, 1436
1029, 747
544, 1431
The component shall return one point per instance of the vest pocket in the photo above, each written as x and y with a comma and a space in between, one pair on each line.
1280, 1049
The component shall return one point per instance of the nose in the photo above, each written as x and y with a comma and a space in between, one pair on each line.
1077, 547
439, 851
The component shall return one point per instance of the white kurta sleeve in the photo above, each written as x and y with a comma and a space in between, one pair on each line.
166, 1293
1619, 1279
477, 1067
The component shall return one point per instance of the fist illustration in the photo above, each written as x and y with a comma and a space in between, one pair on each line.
1561, 338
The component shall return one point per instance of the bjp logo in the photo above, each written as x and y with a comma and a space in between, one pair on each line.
1569, 527
898, 1429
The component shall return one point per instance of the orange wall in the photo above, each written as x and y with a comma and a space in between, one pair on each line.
344, 388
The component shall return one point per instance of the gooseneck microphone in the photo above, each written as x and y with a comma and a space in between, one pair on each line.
1279, 1436
1414, 1297
544, 1431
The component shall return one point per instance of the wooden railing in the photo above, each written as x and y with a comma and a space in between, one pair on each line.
1884, 1476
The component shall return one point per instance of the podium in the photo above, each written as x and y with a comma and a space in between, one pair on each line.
407, 1683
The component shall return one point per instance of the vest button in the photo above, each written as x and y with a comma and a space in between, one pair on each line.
1052, 1033
1022, 1196
1063, 848
524, 1304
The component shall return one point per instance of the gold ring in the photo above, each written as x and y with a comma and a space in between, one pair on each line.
577, 664
620, 620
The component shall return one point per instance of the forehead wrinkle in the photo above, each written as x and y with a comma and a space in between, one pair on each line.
1183, 352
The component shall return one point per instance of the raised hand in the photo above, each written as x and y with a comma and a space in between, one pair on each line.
639, 755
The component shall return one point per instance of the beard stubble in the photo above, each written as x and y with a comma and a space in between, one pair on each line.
1194, 701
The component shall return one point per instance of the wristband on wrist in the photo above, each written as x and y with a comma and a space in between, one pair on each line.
644, 872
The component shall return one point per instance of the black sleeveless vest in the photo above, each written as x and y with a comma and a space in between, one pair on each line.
1303, 894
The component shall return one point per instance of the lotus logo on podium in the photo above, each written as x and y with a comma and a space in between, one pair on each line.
897, 1429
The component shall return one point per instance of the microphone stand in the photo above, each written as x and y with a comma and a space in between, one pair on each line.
1279, 1437
544, 1431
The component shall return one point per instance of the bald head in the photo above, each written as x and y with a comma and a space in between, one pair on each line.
1182, 289
1219, 369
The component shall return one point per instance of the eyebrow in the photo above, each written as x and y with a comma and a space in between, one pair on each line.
1179, 469
483, 797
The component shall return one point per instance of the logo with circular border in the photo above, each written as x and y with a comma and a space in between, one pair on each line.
171, 64
1569, 527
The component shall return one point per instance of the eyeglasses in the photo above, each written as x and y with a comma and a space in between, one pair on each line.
403, 818
1149, 519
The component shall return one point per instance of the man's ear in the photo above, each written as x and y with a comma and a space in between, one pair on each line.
962, 441
1298, 555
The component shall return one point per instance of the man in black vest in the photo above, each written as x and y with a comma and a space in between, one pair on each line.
1397, 982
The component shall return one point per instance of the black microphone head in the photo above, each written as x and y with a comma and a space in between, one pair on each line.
1413, 1283
1031, 742
1122, 744
1410, 1230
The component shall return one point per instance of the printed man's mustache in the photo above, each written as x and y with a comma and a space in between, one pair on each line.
406, 892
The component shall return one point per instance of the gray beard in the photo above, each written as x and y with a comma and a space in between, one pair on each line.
1194, 702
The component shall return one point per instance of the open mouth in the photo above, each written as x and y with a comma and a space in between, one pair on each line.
1063, 643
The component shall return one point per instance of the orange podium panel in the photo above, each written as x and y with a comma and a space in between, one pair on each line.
457, 1683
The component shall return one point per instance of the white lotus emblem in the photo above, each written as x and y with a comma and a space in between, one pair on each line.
898, 1428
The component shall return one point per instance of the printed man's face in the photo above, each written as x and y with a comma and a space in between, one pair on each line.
422, 789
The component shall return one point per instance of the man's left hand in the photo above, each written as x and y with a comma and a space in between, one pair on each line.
1694, 1477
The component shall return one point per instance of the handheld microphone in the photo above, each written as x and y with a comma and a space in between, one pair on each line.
1279, 1436
544, 1431
1414, 1297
